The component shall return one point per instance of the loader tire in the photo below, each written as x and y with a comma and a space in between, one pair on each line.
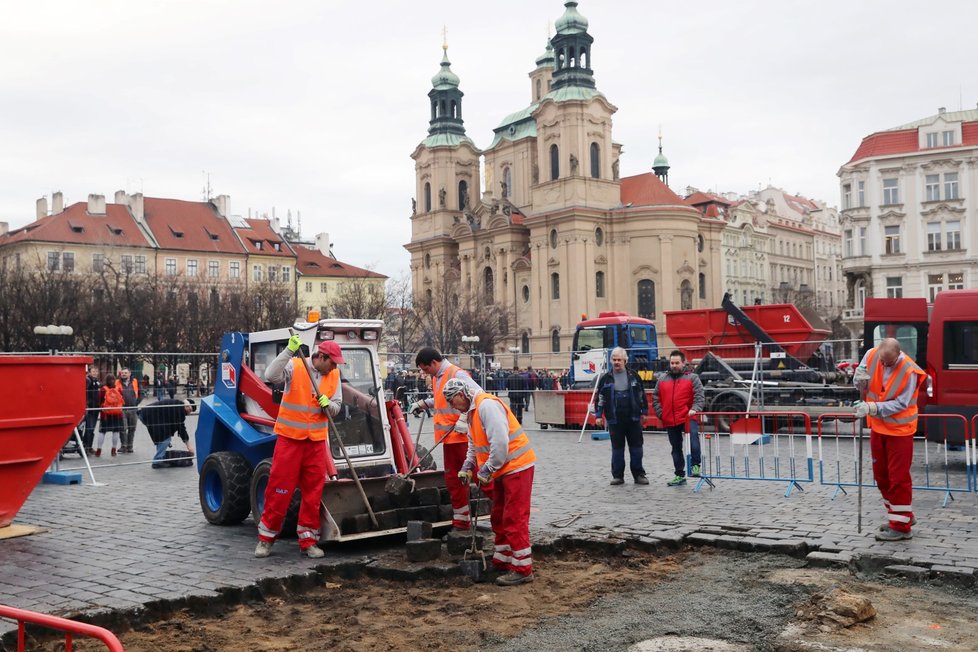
223, 488
259, 481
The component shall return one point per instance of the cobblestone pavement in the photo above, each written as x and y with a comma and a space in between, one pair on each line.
138, 537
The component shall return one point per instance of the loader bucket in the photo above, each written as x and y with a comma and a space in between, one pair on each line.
44, 401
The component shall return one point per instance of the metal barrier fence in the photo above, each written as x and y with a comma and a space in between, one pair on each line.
69, 627
761, 446
841, 438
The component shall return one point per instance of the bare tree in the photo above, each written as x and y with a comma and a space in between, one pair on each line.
449, 315
359, 297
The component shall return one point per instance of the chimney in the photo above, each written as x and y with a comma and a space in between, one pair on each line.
57, 202
4, 227
322, 243
96, 204
136, 206
42, 207
942, 110
223, 204
276, 225
120, 197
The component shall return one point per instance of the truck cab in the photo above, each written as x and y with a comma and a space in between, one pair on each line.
952, 362
594, 340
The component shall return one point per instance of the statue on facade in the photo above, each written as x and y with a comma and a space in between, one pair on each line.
686, 295
505, 189
614, 170
441, 197
536, 173
573, 163
464, 200
414, 206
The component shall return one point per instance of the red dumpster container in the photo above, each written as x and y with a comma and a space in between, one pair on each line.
43, 400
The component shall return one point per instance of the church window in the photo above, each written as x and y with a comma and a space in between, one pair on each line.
646, 299
507, 182
553, 238
463, 195
595, 161
702, 285
536, 96
427, 261
525, 343
599, 285
554, 163
526, 295
455, 113
584, 58
555, 286
555, 341
598, 236
427, 197
487, 275
434, 109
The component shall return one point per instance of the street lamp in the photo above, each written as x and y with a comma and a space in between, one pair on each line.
54, 337
472, 340
515, 350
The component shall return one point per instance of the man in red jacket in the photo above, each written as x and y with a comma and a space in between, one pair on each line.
678, 396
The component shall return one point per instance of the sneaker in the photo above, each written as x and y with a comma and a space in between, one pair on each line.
314, 552
617, 481
512, 578
886, 526
263, 549
695, 471
889, 534
641, 479
678, 480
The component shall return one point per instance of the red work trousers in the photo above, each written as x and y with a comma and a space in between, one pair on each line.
295, 463
510, 518
892, 456
457, 491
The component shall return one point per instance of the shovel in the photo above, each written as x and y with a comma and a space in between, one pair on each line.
336, 433
399, 485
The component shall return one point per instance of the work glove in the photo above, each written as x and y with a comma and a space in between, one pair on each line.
861, 373
418, 407
465, 477
484, 476
865, 408
323, 401
462, 425
294, 343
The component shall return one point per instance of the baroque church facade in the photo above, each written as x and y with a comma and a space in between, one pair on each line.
550, 228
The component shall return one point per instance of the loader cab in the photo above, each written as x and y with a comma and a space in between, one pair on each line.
952, 360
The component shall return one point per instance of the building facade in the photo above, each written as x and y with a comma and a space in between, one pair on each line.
909, 211
550, 227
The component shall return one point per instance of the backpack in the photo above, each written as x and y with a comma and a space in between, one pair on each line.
112, 402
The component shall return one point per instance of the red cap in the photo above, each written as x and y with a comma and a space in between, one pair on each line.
332, 349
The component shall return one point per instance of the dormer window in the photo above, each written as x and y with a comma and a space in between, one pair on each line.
212, 236
257, 244
75, 228
277, 246
114, 230
932, 140
176, 234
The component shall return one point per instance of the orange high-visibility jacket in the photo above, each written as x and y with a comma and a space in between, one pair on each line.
520, 453
904, 422
299, 415
445, 416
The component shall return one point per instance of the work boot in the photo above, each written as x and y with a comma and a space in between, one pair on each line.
512, 578
113, 452
889, 534
98, 452
263, 549
695, 471
314, 552
677, 481
886, 526
641, 479
617, 481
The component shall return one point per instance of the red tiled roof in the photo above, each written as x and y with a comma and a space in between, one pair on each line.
887, 142
647, 190
700, 197
311, 262
969, 133
799, 203
260, 234
190, 226
74, 225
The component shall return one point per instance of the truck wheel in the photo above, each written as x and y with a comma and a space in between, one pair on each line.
727, 403
223, 488
429, 463
259, 482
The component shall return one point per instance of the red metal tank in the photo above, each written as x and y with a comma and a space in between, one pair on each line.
43, 400
697, 331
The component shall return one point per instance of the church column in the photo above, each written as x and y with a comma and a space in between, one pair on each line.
664, 286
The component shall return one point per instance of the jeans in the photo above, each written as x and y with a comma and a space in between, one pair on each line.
161, 449
676, 441
630, 432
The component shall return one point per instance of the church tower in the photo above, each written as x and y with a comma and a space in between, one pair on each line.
447, 185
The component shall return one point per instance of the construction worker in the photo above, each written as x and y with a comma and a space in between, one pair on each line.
450, 426
890, 382
300, 450
500, 459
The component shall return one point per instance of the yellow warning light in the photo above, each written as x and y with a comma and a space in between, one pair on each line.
583, 316
312, 316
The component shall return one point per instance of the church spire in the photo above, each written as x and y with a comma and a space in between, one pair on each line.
572, 49
446, 98
661, 164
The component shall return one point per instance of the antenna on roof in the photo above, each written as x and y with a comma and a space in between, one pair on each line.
207, 185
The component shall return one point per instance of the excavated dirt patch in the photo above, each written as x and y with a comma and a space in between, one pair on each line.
583, 601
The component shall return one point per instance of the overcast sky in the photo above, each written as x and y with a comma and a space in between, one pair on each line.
315, 106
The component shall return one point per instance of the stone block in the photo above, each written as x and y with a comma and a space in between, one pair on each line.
457, 542
388, 520
418, 530
907, 571
473, 568
953, 575
821, 559
445, 512
423, 550
428, 496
